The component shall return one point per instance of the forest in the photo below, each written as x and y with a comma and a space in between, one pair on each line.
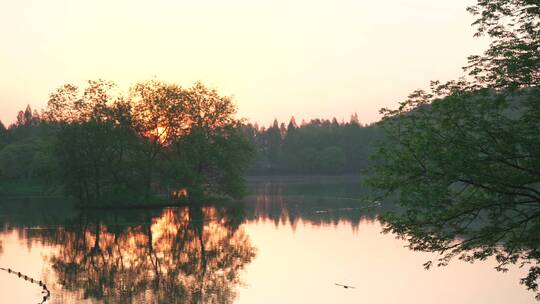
319, 146
94, 146
101, 146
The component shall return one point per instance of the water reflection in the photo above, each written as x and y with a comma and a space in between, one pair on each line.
289, 242
187, 255
319, 202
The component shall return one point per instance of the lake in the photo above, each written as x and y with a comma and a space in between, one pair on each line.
290, 241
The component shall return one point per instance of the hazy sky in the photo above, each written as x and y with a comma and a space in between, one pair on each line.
278, 58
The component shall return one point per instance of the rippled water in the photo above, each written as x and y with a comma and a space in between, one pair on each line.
290, 241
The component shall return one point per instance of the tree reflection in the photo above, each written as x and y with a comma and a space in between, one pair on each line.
184, 255
290, 201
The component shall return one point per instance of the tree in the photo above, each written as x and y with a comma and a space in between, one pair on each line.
96, 146
20, 119
16, 159
354, 119
466, 170
513, 58
213, 154
273, 144
3, 135
187, 135
160, 115
208, 110
212, 163
462, 159
109, 146
67, 104
94, 162
292, 126
300, 151
28, 119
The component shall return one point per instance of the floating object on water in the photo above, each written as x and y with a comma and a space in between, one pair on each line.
45, 290
344, 286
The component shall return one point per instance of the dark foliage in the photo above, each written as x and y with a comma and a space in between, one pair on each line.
317, 147
463, 159
102, 146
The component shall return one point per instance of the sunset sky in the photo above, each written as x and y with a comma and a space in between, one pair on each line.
277, 58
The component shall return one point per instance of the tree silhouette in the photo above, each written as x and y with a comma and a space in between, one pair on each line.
462, 158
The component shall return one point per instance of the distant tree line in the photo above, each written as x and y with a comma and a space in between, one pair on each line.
50, 147
26, 148
98, 144
319, 146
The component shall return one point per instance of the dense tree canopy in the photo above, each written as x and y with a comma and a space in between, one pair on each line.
95, 142
466, 169
317, 147
103, 145
463, 158
26, 150
513, 58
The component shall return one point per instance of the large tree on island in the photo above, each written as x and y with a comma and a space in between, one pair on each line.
156, 139
463, 159
192, 139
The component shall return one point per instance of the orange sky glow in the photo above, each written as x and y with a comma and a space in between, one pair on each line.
310, 59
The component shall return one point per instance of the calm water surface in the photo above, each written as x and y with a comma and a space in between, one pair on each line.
290, 242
